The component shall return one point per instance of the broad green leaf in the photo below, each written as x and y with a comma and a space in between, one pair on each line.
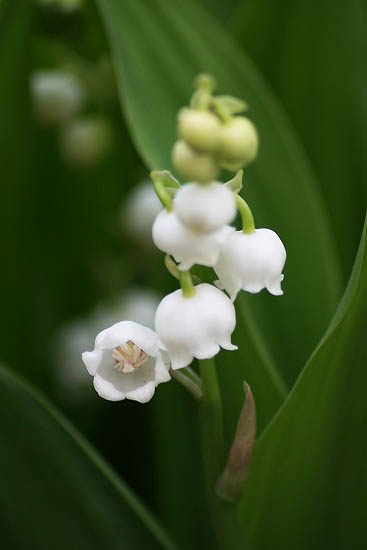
159, 47
308, 483
56, 491
320, 79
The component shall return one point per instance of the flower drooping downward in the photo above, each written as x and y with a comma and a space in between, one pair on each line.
127, 363
188, 247
195, 326
251, 261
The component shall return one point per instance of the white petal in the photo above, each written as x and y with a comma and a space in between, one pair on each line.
119, 333
195, 326
205, 207
162, 366
91, 360
142, 394
188, 247
114, 385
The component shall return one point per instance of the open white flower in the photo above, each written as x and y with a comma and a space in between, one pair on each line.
126, 362
251, 262
186, 246
195, 326
205, 207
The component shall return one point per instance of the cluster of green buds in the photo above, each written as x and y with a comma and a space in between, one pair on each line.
213, 135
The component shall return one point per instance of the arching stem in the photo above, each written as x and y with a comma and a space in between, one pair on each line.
248, 223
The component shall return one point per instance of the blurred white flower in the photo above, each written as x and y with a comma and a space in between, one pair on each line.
251, 262
126, 362
85, 142
195, 326
186, 246
56, 95
205, 207
139, 211
139, 305
70, 376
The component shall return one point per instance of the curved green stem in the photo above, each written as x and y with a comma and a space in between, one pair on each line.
162, 180
212, 422
187, 286
248, 223
163, 195
190, 380
212, 436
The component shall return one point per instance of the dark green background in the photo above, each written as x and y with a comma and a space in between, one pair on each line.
62, 249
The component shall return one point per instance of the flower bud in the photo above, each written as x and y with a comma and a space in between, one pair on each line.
192, 164
200, 129
238, 143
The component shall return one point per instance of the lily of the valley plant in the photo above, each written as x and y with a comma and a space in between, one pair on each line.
193, 229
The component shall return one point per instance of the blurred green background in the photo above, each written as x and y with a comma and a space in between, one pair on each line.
66, 248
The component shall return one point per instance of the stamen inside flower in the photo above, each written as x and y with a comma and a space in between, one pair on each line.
128, 356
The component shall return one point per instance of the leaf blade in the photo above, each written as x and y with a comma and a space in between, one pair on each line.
55, 477
309, 465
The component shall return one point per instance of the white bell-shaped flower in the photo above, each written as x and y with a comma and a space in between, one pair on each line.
195, 326
251, 262
205, 207
126, 362
186, 246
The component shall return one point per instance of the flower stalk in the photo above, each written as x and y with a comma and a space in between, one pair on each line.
187, 286
248, 223
163, 180
189, 380
212, 437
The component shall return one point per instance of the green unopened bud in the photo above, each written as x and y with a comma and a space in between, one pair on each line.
192, 164
200, 129
238, 143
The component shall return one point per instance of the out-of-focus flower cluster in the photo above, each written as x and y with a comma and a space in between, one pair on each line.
60, 98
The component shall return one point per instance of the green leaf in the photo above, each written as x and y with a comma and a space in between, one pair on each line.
159, 47
308, 483
320, 82
56, 491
